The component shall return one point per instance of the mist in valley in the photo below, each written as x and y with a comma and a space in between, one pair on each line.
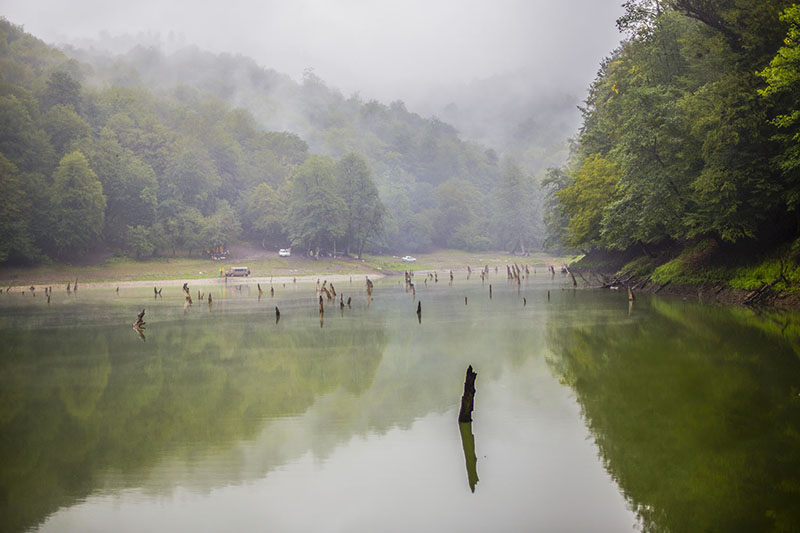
453, 110
503, 73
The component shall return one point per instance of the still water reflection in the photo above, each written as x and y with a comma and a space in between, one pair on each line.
589, 416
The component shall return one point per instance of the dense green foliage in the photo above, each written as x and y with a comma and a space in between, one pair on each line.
697, 113
179, 168
194, 151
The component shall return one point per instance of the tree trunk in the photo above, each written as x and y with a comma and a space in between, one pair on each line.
468, 399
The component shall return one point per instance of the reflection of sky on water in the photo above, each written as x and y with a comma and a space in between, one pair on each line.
225, 419
538, 468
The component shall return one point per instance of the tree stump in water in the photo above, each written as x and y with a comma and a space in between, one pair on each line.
139, 324
468, 399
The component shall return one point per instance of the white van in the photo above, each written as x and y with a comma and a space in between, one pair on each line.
283, 252
238, 271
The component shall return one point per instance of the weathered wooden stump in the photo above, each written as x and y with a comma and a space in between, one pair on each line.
468, 399
139, 324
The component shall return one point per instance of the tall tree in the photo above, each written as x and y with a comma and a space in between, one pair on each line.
221, 228
783, 88
63, 125
461, 218
517, 215
78, 206
593, 188
21, 140
554, 216
317, 216
365, 211
129, 185
265, 213
191, 176
62, 89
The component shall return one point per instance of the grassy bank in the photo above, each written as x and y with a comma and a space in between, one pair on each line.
736, 276
186, 268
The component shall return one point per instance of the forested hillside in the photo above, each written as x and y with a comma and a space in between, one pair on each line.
152, 154
690, 135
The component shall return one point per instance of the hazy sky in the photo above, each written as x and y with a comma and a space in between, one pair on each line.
383, 48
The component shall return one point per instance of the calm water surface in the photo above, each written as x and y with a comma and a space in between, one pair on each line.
591, 415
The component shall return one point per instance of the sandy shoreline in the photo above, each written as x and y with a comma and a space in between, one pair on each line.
203, 282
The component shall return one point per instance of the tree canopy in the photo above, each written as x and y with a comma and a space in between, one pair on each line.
690, 128
181, 169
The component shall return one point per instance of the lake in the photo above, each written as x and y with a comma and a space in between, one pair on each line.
591, 414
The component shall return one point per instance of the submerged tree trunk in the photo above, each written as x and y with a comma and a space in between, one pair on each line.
468, 398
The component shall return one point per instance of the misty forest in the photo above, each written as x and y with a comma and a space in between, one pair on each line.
689, 134
143, 155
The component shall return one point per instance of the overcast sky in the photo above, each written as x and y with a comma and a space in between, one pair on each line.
383, 48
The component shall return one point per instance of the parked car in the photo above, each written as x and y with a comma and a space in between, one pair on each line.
283, 252
238, 271
409, 259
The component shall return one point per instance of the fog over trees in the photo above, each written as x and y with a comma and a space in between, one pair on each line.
177, 149
166, 147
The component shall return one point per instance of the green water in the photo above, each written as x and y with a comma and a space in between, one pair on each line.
590, 414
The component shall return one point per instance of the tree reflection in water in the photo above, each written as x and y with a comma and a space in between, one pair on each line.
695, 411
468, 443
